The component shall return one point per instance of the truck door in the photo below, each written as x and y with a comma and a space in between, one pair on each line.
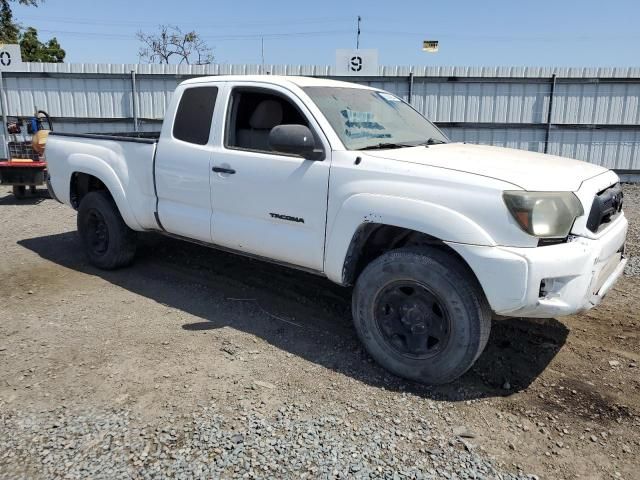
267, 203
183, 163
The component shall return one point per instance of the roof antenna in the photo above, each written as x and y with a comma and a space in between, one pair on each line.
358, 35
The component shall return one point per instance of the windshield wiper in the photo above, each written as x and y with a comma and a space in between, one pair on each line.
426, 143
383, 145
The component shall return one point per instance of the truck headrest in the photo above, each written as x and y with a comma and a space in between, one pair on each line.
267, 115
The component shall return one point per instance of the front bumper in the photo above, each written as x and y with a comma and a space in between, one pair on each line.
549, 281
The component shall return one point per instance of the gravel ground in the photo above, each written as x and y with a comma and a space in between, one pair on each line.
632, 197
97, 444
199, 364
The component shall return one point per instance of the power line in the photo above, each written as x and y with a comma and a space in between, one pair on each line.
309, 21
209, 37
234, 25
503, 38
374, 32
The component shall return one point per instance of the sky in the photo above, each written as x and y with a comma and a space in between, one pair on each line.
513, 32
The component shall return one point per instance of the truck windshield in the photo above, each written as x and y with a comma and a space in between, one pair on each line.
372, 119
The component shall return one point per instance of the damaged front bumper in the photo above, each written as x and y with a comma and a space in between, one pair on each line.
552, 280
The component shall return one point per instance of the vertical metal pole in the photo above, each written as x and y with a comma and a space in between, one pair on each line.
410, 88
134, 100
549, 113
4, 104
262, 52
358, 34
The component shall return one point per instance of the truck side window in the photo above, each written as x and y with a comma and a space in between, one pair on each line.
194, 116
253, 115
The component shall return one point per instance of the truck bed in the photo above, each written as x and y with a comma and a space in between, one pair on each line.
124, 162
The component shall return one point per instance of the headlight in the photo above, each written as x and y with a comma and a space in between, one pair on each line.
544, 214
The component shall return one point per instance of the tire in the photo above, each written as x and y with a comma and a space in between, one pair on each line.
19, 191
109, 243
421, 314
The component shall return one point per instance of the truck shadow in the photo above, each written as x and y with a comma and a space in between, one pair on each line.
39, 196
300, 313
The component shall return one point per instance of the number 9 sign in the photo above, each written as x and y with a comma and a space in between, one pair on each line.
356, 62
355, 65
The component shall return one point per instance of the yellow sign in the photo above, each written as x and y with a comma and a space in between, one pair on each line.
430, 46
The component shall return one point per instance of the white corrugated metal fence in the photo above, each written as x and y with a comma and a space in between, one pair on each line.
595, 112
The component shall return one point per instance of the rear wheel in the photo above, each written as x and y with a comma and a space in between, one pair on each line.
108, 241
421, 314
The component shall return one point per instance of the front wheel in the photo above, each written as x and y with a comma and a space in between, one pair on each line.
421, 314
108, 241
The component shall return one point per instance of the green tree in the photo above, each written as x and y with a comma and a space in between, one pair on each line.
33, 50
9, 30
33, 3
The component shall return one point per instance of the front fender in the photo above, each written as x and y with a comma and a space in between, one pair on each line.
425, 217
97, 167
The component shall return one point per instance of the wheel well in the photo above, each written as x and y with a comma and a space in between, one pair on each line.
373, 239
83, 183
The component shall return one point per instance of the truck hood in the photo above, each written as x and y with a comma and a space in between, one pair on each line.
528, 170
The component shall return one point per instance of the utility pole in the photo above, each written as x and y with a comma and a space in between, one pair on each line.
262, 52
358, 35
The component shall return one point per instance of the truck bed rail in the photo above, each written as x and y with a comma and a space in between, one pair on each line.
137, 137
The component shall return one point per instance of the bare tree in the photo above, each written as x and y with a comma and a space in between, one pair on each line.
171, 45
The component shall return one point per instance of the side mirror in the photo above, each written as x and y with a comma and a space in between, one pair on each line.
295, 139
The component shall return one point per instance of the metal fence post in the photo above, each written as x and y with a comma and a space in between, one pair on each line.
134, 100
549, 113
4, 105
410, 88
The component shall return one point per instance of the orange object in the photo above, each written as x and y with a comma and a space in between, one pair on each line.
39, 141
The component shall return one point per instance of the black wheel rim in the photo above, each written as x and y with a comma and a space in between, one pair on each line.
412, 319
97, 232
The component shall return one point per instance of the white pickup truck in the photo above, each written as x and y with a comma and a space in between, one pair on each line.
352, 183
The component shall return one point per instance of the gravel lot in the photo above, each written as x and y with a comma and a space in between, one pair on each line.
198, 364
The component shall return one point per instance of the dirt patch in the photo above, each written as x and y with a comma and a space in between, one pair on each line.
188, 327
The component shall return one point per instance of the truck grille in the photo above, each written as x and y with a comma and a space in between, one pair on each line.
606, 206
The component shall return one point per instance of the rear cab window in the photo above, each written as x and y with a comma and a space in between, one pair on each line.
195, 114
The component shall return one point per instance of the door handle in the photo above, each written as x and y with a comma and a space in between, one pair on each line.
230, 171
